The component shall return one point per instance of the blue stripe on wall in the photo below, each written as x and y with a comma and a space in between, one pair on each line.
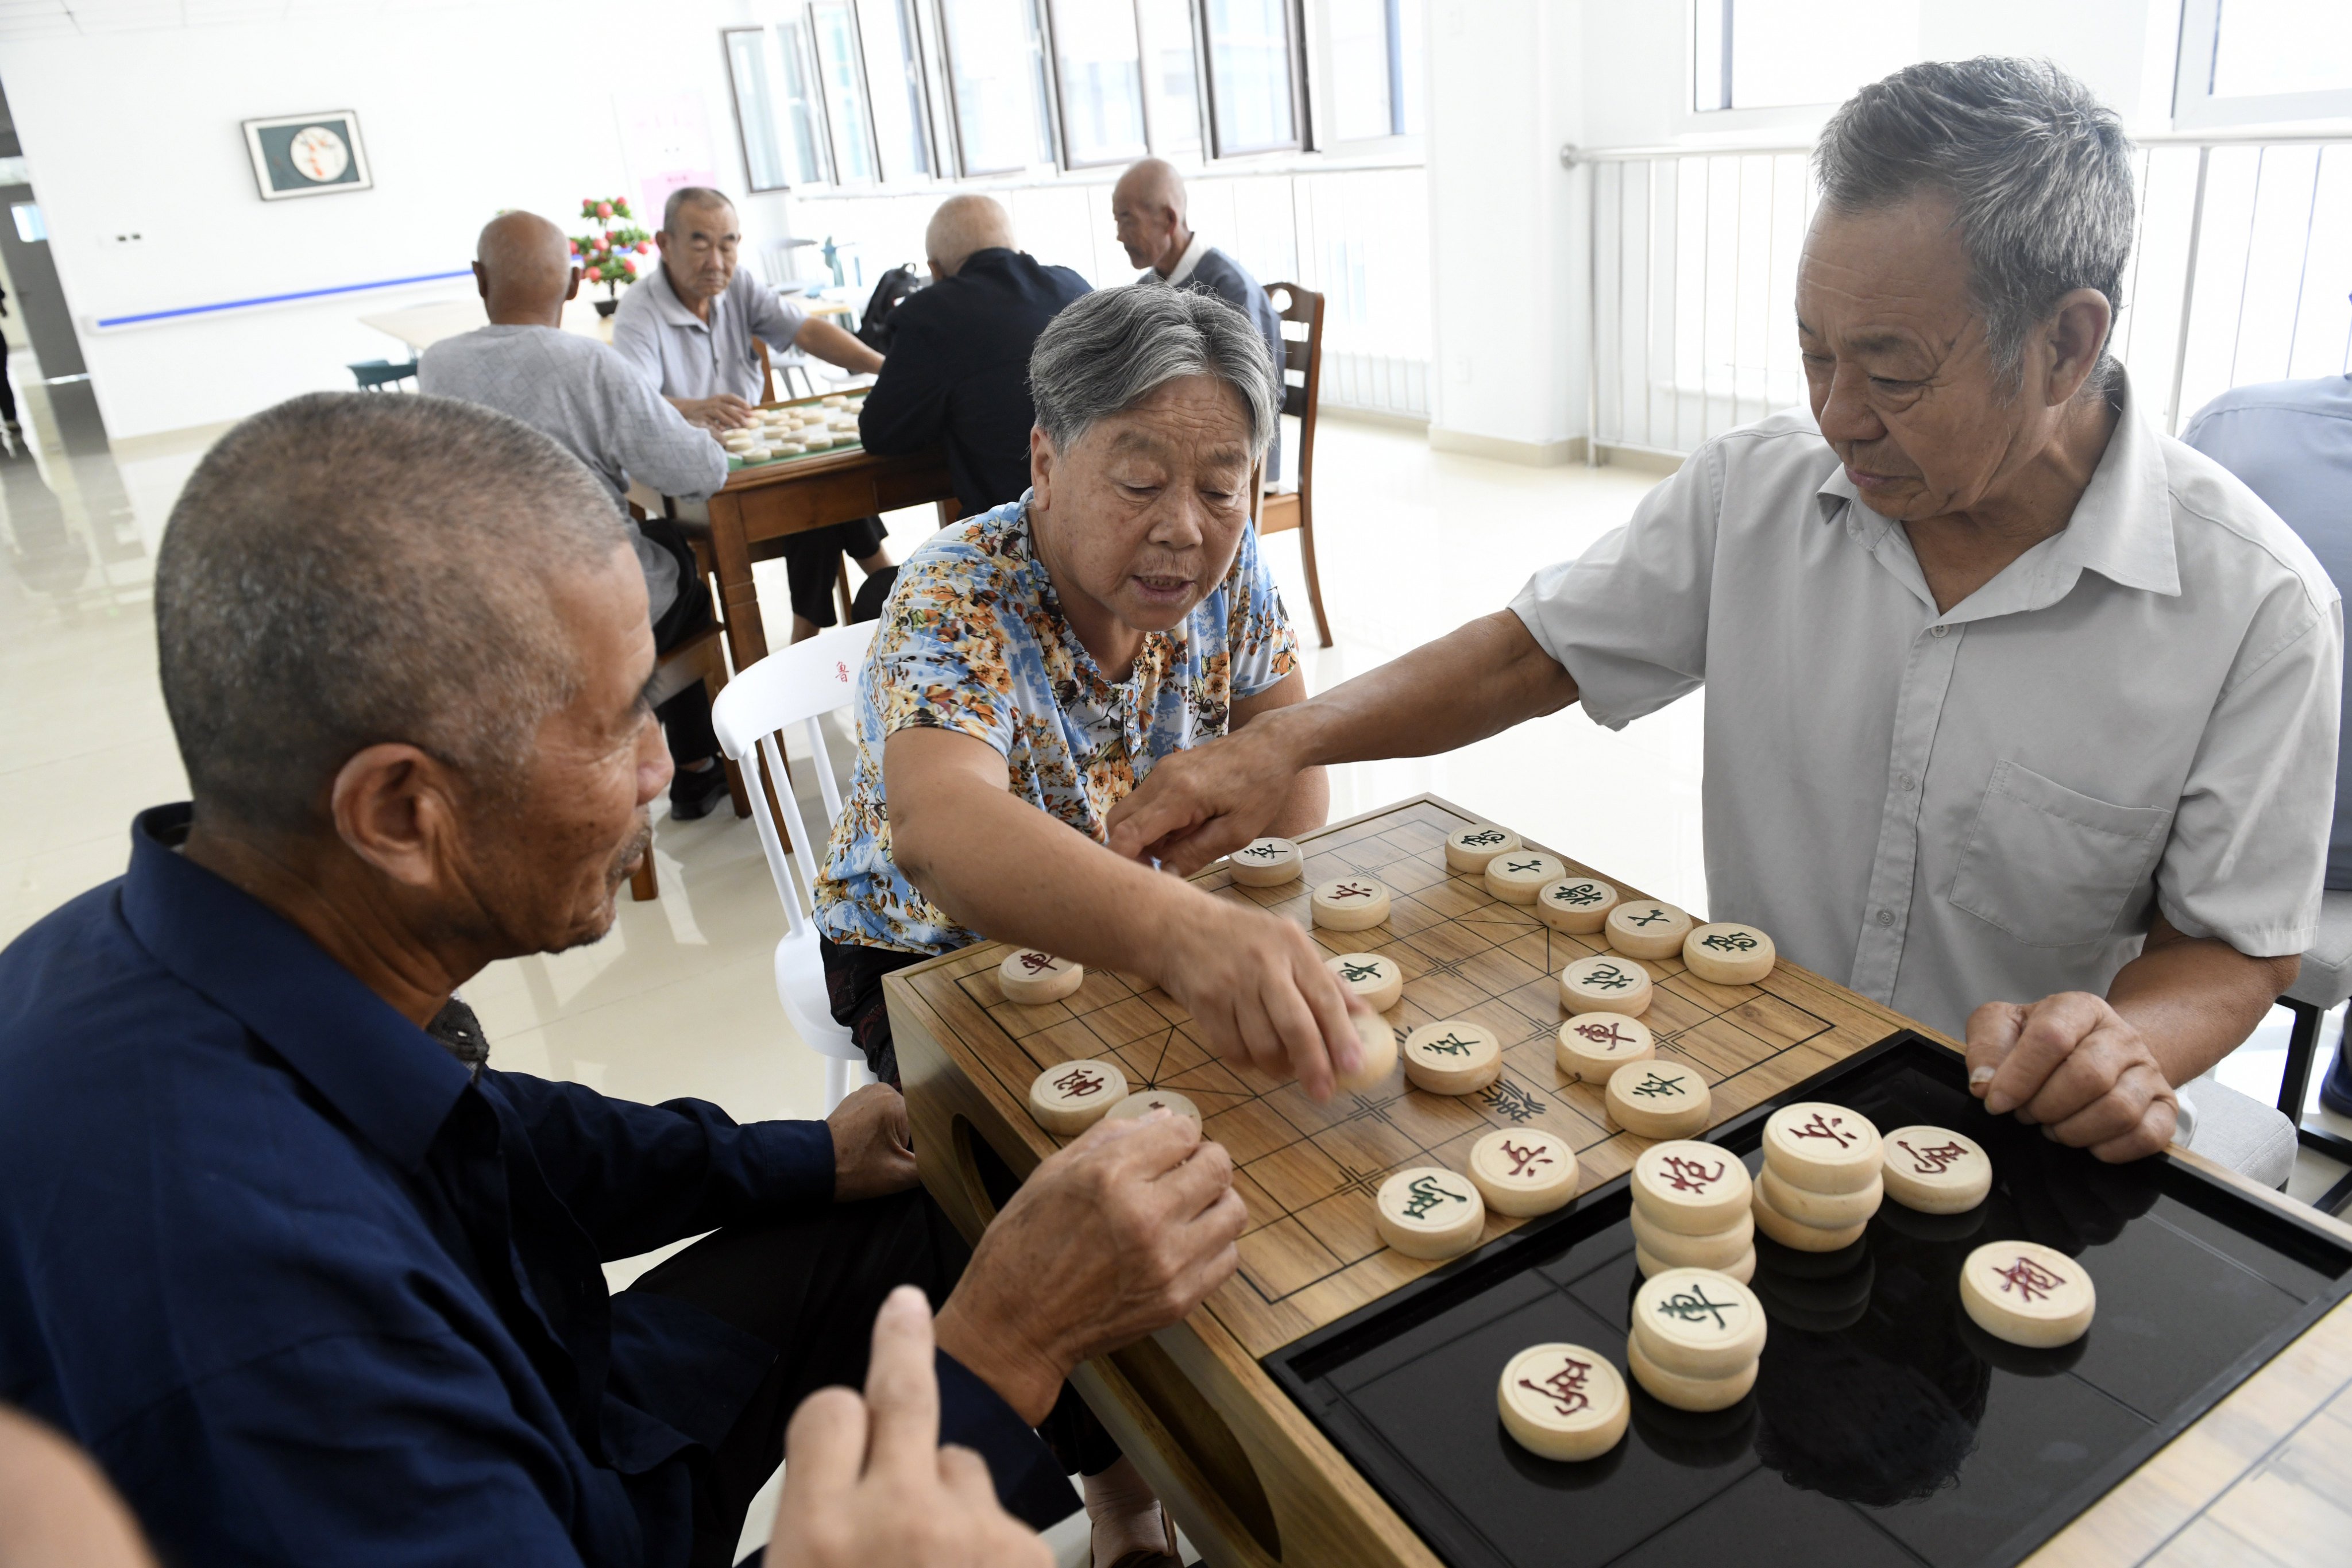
279, 298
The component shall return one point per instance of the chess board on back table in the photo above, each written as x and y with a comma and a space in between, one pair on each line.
1244, 1462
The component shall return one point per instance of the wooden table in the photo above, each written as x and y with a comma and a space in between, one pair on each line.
761, 507
1249, 1477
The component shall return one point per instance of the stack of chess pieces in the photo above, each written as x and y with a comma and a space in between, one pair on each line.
792, 430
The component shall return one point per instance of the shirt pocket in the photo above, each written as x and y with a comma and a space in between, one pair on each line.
2051, 866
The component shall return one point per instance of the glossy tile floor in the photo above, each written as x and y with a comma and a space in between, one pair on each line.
679, 1000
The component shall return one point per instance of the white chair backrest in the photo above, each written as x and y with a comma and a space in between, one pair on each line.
796, 685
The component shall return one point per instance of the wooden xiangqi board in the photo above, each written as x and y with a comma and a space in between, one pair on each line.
1251, 1480
1309, 1171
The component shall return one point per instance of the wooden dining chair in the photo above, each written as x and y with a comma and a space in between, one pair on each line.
1283, 506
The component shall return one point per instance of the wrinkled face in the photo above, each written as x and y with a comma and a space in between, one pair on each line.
700, 254
1899, 367
1142, 516
545, 866
1145, 230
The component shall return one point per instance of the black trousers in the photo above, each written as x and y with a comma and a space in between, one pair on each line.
811, 561
810, 1285
685, 718
853, 989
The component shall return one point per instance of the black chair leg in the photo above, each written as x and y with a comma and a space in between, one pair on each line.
2301, 1042
2302, 1045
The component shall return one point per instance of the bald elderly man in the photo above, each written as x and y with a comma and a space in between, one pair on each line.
312, 1280
577, 390
957, 375
1150, 211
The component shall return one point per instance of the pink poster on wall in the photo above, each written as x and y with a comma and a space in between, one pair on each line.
666, 142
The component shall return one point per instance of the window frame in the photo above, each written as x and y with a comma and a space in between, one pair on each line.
825, 92
1063, 156
2195, 106
1319, 65
964, 170
735, 99
910, 25
1302, 119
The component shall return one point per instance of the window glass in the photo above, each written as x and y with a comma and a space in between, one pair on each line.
1778, 54
1250, 76
2282, 46
1101, 78
1359, 84
894, 72
802, 118
995, 69
1171, 88
748, 55
842, 71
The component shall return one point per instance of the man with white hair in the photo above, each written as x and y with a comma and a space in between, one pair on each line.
2022, 716
957, 375
1154, 218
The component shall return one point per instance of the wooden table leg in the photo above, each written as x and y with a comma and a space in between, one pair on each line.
739, 595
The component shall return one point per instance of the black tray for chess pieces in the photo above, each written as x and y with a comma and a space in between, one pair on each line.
1885, 1426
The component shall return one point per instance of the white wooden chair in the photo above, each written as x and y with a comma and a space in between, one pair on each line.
798, 685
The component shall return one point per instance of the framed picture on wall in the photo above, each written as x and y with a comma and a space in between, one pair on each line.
307, 154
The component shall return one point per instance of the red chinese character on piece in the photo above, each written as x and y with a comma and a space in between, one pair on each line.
1564, 1388
1932, 1161
2029, 1280
1604, 1034
1079, 1083
1818, 1126
1524, 1160
1036, 962
1686, 1176
1349, 891
841, 672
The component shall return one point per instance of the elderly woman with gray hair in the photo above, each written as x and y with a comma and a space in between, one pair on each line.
2020, 714
1037, 662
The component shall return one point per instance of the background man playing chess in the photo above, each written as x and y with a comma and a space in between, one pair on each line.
1038, 660
688, 328
1152, 218
2022, 715
315, 1284
581, 394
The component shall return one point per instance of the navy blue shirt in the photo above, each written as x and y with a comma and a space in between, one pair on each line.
957, 374
309, 1291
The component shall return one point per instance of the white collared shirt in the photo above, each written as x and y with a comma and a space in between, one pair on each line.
2138, 713
681, 356
1189, 261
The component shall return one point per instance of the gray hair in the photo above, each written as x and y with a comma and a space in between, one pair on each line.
1109, 350
2038, 171
692, 197
345, 570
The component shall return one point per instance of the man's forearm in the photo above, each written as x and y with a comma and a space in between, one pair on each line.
2195, 1000
833, 345
1468, 685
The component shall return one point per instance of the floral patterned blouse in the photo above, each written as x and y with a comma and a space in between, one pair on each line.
973, 641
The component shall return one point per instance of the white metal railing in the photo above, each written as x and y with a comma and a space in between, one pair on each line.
2240, 271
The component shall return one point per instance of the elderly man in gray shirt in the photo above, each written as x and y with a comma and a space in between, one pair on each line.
2021, 715
578, 392
688, 328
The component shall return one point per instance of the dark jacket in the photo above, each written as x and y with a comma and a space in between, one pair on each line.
1219, 274
958, 372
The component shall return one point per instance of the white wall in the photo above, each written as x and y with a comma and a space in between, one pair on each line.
1506, 90
465, 110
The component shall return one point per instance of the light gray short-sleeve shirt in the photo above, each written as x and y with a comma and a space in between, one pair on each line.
681, 356
2139, 713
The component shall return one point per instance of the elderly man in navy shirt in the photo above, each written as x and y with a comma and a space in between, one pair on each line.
314, 1284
